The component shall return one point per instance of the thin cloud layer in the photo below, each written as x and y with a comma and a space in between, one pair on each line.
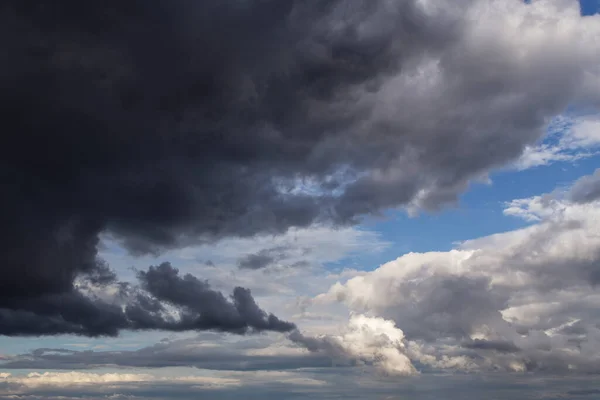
207, 351
167, 123
306, 384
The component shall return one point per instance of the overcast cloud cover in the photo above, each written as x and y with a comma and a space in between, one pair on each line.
217, 172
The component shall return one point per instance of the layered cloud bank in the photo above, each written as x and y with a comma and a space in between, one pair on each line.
168, 123
522, 300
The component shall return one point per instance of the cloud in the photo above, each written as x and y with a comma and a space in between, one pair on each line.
515, 301
263, 258
369, 340
86, 384
493, 345
307, 384
538, 208
569, 138
318, 245
209, 350
61, 379
310, 260
586, 189
171, 123
164, 301
205, 308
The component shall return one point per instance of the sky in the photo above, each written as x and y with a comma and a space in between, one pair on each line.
290, 199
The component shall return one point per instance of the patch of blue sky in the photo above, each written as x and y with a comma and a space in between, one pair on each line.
589, 7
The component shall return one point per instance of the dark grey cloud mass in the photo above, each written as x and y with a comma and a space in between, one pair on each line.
165, 300
171, 122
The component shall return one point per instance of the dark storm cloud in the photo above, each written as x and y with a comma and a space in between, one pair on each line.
197, 305
205, 308
171, 122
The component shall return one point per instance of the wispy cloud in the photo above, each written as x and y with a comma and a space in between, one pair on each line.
569, 139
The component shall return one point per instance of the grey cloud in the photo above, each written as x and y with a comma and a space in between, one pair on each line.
448, 307
317, 344
205, 308
64, 313
260, 260
336, 383
494, 345
578, 328
583, 392
268, 257
171, 122
524, 300
445, 313
325, 346
221, 355
199, 307
586, 189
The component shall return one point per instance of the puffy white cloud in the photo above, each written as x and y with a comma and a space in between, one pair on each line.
365, 340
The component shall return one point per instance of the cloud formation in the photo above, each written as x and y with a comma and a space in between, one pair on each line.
263, 258
312, 384
366, 340
163, 301
524, 300
570, 138
128, 385
586, 189
209, 351
167, 123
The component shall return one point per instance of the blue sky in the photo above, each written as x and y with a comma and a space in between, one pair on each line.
589, 7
